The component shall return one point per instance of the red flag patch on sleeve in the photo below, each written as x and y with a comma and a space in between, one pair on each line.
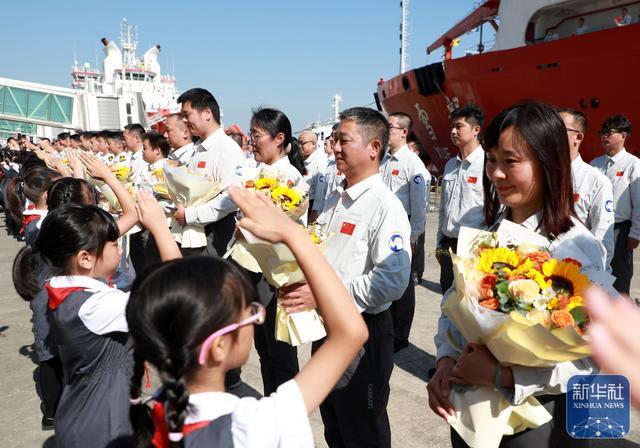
347, 228
202, 164
472, 179
395, 172
619, 173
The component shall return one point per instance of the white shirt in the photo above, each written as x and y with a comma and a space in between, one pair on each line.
221, 158
405, 174
582, 30
626, 20
327, 183
462, 196
183, 154
623, 170
314, 166
550, 37
279, 420
104, 311
285, 168
593, 202
138, 166
369, 245
535, 380
122, 159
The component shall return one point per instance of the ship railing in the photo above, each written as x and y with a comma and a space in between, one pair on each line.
433, 195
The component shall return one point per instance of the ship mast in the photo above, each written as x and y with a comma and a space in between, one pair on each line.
129, 44
404, 36
337, 99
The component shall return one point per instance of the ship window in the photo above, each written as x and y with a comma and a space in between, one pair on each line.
128, 108
405, 83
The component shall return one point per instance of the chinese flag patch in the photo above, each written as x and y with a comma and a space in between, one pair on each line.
576, 197
395, 172
339, 173
472, 180
619, 173
202, 164
347, 228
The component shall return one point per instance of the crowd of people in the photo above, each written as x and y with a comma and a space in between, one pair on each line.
113, 293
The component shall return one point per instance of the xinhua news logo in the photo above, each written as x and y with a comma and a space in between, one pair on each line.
598, 406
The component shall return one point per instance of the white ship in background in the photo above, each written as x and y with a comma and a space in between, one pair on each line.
128, 89
136, 82
323, 128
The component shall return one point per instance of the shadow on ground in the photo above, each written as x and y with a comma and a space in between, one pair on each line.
415, 361
431, 286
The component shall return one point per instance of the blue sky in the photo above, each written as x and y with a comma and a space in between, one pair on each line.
293, 55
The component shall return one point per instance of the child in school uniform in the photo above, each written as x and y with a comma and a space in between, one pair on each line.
192, 320
79, 243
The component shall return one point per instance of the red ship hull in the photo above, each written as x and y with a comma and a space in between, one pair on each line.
595, 73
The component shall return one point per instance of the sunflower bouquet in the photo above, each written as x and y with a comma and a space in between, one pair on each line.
279, 267
291, 196
521, 296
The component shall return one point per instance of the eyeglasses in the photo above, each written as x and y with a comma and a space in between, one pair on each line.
304, 143
253, 136
608, 132
258, 315
574, 130
394, 127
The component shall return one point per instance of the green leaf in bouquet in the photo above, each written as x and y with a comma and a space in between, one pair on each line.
579, 315
504, 297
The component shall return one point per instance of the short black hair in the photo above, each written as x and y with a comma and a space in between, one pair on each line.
63, 135
371, 124
201, 99
115, 135
471, 113
156, 140
404, 120
75, 138
136, 129
578, 118
618, 122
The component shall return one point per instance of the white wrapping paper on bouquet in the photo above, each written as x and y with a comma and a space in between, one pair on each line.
189, 190
279, 267
483, 416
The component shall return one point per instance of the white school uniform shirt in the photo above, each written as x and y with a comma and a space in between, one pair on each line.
534, 380
405, 174
593, 202
314, 166
122, 159
369, 245
183, 154
623, 170
222, 159
279, 420
462, 196
103, 312
327, 183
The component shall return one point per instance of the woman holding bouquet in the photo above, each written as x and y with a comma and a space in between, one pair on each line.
527, 181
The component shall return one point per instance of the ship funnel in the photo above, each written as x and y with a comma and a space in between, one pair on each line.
112, 60
150, 59
104, 41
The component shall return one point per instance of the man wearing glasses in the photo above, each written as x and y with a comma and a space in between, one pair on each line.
405, 174
315, 161
592, 191
623, 170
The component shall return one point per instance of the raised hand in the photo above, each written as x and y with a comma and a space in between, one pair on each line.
95, 167
262, 217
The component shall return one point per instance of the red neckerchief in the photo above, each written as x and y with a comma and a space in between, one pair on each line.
57, 295
161, 433
27, 220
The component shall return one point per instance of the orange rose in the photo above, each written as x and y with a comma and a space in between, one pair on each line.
562, 318
563, 301
487, 284
538, 258
571, 260
492, 304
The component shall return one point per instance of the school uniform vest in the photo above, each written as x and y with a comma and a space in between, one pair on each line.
94, 405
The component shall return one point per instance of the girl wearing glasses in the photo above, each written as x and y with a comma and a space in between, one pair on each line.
192, 320
87, 316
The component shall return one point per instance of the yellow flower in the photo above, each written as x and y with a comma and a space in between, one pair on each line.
575, 302
287, 198
121, 173
527, 270
568, 273
489, 257
526, 289
268, 183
